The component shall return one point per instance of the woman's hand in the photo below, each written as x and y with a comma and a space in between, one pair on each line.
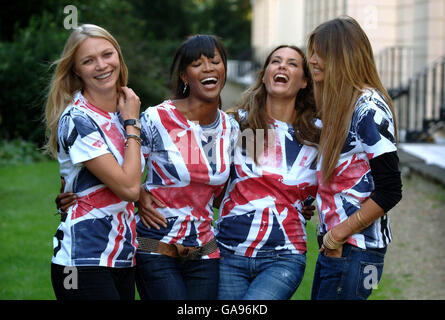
332, 253
333, 247
128, 104
147, 212
64, 200
308, 212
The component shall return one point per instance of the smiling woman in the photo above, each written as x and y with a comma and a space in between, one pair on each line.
178, 255
100, 160
261, 228
284, 76
97, 64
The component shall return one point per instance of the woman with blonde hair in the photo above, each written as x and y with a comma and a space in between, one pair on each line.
93, 128
358, 175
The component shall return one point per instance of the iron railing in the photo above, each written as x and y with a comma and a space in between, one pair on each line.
420, 103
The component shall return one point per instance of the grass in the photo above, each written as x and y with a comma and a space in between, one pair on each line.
28, 223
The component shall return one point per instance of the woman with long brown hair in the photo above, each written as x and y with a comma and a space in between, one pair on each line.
261, 225
358, 175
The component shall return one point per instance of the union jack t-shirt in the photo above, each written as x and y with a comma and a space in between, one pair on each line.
100, 228
187, 167
371, 134
261, 209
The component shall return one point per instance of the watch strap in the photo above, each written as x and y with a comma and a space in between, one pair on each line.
132, 122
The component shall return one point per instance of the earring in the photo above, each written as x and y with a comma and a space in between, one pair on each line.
185, 88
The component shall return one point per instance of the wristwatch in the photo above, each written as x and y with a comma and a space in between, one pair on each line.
132, 122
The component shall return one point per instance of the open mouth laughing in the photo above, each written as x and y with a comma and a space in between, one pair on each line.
281, 78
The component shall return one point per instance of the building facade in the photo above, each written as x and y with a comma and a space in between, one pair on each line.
408, 40
414, 28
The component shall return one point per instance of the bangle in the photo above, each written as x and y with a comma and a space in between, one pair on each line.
133, 136
360, 220
330, 243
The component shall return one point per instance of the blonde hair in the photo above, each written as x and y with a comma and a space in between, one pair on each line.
65, 83
349, 68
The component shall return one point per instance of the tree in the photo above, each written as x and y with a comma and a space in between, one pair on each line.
147, 31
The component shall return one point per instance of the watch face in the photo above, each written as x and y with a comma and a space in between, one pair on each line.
133, 122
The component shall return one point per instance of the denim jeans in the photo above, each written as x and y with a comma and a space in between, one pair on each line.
159, 277
275, 276
92, 283
349, 277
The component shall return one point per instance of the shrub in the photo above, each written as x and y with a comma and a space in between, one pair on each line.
18, 151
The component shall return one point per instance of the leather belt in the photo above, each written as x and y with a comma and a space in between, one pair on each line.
176, 250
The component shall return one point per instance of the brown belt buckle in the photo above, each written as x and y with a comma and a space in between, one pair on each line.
186, 253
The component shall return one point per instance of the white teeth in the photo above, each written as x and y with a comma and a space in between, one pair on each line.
103, 76
280, 76
211, 79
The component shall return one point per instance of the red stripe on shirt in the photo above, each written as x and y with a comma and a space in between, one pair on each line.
117, 240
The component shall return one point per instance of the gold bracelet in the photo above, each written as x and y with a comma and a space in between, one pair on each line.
133, 136
330, 243
360, 220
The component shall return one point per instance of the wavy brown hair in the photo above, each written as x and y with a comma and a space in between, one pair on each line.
349, 69
254, 102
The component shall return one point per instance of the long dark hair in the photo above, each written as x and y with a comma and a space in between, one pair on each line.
190, 50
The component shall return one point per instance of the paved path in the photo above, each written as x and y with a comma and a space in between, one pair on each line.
415, 260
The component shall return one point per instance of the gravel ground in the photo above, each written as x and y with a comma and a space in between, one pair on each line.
415, 260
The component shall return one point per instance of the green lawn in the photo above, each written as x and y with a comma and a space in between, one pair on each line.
28, 223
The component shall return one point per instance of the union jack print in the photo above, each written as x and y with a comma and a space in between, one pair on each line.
371, 134
100, 228
261, 209
187, 167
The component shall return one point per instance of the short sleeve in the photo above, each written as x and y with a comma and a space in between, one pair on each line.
375, 128
146, 134
80, 138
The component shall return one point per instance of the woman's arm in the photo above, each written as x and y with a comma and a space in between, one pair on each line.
387, 193
147, 212
123, 180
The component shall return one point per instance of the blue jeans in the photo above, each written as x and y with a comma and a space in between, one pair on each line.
272, 277
349, 277
159, 277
